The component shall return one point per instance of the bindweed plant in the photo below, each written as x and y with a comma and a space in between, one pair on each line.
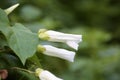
19, 48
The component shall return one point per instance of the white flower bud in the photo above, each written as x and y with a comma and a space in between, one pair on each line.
57, 52
45, 75
10, 9
70, 39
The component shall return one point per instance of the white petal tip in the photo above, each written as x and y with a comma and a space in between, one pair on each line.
46, 75
16, 5
71, 56
10, 9
73, 45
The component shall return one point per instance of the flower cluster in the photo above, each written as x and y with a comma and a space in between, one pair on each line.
70, 39
45, 75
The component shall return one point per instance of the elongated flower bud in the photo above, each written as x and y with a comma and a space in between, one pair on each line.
45, 75
10, 9
71, 40
57, 52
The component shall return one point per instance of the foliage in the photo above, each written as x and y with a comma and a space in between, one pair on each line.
97, 20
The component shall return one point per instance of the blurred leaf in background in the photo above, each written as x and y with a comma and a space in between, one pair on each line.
97, 20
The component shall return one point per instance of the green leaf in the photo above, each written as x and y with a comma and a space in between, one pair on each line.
20, 39
3, 17
23, 42
4, 24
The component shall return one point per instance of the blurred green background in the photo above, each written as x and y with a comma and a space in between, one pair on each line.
97, 20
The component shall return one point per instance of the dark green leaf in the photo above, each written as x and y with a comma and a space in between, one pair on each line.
23, 42
17, 74
8, 60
